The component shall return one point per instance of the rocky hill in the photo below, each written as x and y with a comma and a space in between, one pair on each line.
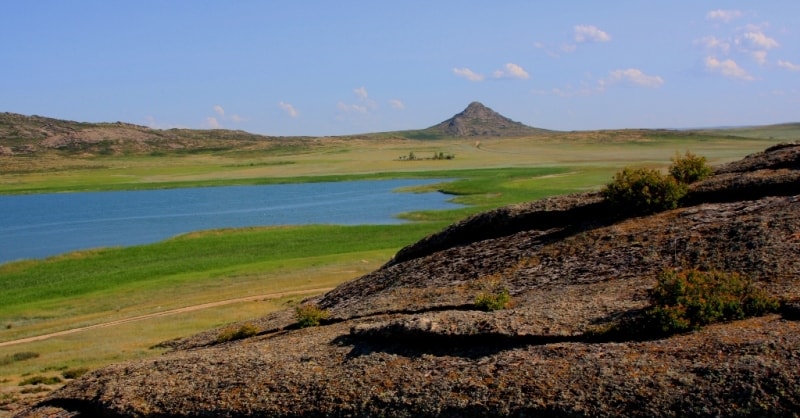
408, 339
478, 120
23, 135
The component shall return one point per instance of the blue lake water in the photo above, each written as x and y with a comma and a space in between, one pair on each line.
42, 225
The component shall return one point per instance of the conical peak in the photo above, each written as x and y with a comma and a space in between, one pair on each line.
479, 120
477, 108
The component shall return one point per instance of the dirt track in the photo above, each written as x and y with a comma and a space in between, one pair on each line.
162, 313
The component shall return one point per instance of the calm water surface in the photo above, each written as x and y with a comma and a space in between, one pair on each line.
36, 226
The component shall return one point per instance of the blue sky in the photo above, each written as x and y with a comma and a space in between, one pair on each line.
344, 67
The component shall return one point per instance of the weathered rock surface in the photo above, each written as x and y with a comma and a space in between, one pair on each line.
406, 340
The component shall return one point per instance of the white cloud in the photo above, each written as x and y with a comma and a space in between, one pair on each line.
364, 103
511, 70
712, 42
788, 65
568, 48
468, 74
723, 15
728, 68
361, 92
759, 40
351, 108
397, 104
632, 76
289, 109
213, 123
590, 33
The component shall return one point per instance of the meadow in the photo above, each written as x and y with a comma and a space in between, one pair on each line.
255, 271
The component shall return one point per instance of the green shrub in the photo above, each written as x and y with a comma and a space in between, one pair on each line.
41, 380
689, 299
689, 168
493, 301
233, 333
310, 315
643, 191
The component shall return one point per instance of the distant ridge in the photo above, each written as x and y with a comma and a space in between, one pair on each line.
478, 120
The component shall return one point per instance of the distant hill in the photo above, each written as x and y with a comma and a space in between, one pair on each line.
30, 135
22, 135
783, 131
477, 120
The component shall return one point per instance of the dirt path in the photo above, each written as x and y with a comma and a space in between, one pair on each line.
163, 313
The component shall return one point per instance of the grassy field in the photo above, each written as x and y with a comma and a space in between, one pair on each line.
93, 287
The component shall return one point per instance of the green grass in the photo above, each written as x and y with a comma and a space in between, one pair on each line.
30, 283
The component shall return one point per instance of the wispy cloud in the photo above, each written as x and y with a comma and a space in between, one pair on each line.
351, 108
364, 99
570, 91
711, 42
215, 122
727, 68
361, 92
511, 70
632, 77
397, 104
468, 74
723, 15
568, 48
365, 103
756, 44
788, 65
757, 39
590, 33
289, 109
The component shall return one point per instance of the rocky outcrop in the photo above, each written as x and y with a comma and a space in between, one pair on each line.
407, 340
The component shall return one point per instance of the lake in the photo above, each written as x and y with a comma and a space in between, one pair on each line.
42, 225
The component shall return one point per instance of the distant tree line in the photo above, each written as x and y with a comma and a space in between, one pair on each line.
436, 156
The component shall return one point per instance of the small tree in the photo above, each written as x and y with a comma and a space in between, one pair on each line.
689, 168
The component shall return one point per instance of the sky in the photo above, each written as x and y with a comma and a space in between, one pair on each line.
346, 67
